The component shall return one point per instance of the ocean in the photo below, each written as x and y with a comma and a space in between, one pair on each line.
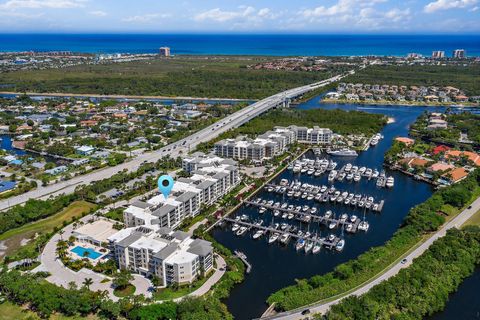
244, 44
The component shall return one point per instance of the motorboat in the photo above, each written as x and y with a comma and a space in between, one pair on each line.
308, 246
273, 237
343, 217
340, 245
284, 238
300, 244
313, 210
328, 214
242, 231
276, 213
332, 225
316, 248
364, 225
258, 234
353, 218
262, 210
235, 227
390, 182
349, 227
290, 216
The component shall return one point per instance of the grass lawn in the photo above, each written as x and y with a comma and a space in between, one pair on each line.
170, 293
474, 220
127, 291
15, 238
10, 311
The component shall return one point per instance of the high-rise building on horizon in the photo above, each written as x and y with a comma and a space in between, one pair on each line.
164, 51
459, 53
438, 54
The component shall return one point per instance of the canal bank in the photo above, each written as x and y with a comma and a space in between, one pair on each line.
275, 266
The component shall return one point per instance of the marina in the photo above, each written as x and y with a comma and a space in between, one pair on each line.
278, 264
323, 194
349, 172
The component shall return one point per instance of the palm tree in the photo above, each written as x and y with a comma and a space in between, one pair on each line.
87, 283
61, 232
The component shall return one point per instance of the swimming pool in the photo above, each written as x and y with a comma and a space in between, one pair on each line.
81, 252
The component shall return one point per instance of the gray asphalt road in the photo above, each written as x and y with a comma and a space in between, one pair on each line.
175, 149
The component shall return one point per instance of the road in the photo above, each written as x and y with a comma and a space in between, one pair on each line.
322, 308
175, 149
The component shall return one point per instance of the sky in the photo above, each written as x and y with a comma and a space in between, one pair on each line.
224, 16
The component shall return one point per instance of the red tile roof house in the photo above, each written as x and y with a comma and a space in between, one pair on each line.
461, 98
405, 140
454, 176
88, 123
456, 154
440, 149
440, 166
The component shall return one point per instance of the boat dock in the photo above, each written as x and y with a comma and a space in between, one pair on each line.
324, 242
288, 188
302, 216
243, 257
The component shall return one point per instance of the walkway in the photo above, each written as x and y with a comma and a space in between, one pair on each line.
62, 276
322, 308
214, 278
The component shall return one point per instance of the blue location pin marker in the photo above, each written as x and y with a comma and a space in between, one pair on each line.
165, 185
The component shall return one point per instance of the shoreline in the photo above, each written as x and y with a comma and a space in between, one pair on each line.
403, 104
118, 96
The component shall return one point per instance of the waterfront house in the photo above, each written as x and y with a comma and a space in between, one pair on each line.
440, 167
454, 176
405, 140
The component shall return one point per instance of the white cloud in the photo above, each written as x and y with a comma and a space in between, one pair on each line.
243, 14
341, 7
37, 4
357, 14
98, 13
474, 9
448, 4
146, 17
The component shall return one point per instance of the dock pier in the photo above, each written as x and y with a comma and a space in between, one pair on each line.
243, 257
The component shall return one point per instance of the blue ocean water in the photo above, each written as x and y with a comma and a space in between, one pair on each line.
244, 44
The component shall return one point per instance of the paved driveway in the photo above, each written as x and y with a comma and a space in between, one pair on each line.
62, 276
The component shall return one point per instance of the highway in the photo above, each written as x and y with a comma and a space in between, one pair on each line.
175, 149
322, 308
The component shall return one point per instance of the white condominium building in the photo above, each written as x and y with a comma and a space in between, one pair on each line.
211, 178
172, 256
271, 143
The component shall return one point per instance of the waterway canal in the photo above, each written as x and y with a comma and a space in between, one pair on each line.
276, 266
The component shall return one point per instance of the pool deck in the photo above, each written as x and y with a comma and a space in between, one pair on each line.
62, 276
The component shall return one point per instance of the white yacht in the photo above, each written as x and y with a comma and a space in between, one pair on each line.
235, 227
242, 231
390, 182
273, 237
300, 244
284, 238
340, 245
308, 246
364, 225
316, 248
258, 234
343, 152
